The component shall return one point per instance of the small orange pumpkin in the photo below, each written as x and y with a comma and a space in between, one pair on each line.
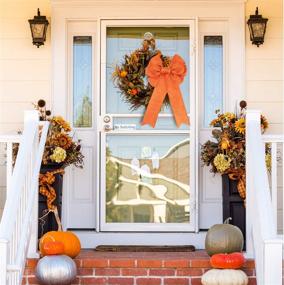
52, 248
227, 261
72, 245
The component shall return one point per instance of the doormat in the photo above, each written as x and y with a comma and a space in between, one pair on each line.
144, 248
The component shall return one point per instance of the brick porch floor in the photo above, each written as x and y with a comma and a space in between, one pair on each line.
139, 268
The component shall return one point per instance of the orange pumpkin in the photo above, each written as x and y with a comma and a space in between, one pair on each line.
72, 245
227, 261
52, 248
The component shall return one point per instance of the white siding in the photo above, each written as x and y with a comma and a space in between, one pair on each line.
264, 75
24, 69
264, 72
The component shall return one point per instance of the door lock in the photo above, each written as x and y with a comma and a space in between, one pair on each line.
107, 119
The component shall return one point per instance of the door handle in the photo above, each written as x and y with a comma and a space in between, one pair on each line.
107, 128
107, 123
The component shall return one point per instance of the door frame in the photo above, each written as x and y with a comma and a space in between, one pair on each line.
191, 23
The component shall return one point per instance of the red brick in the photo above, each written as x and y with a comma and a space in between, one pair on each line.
31, 263
200, 263
189, 272
78, 262
252, 281
33, 281
176, 281
94, 281
249, 272
95, 263
107, 272
76, 281
196, 281
249, 264
162, 272
85, 271
133, 272
176, 263
146, 263
122, 263
29, 272
148, 281
120, 281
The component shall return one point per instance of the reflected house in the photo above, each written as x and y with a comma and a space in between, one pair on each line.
144, 194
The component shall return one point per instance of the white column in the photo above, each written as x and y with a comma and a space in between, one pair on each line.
33, 245
252, 117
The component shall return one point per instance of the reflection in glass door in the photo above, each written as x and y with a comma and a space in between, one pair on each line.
148, 174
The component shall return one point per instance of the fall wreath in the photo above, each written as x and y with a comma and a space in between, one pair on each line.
164, 75
129, 77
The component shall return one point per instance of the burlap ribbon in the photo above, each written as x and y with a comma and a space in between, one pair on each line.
46, 189
240, 176
166, 81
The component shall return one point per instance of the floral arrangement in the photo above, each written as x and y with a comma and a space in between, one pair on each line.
60, 148
226, 154
129, 77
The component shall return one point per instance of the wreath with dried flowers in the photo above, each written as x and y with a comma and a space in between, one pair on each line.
129, 77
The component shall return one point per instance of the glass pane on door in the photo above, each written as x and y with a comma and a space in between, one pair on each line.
147, 179
124, 40
147, 172
82, 81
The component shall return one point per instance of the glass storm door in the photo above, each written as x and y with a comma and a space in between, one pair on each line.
147, 174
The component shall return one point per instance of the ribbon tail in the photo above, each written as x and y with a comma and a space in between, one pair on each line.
177, 104
155, 104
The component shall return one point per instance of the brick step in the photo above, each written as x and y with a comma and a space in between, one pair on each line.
139, 268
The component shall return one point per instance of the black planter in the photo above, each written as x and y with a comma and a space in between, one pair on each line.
50, 221
233, 205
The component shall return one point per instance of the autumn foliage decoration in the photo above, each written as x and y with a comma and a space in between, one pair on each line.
225, 154
164, 75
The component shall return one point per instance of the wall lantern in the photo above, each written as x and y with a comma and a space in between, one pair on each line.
38, 27
257, 28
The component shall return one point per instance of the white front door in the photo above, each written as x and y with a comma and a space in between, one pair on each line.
148, 175
137, 178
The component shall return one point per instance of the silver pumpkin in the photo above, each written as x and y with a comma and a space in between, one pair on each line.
56, 270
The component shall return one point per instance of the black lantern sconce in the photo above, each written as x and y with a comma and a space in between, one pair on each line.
257, 28
38, 27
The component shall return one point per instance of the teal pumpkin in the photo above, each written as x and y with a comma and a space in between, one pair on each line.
224, 238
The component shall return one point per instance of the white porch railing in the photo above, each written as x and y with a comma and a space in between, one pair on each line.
9, 140
263, 242
16, 223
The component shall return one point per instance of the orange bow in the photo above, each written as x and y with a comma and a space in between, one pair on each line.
166, 80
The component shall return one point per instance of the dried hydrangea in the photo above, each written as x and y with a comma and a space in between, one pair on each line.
59, 155
222, 162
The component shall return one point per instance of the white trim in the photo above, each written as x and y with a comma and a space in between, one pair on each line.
91, 239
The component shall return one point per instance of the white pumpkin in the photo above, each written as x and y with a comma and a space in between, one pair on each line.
224, 277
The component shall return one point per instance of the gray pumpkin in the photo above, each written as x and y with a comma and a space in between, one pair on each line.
56, 270
224, 238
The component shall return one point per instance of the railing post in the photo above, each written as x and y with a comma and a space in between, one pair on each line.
9, 167
252, 116
33, 244
272, 262
3, 261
